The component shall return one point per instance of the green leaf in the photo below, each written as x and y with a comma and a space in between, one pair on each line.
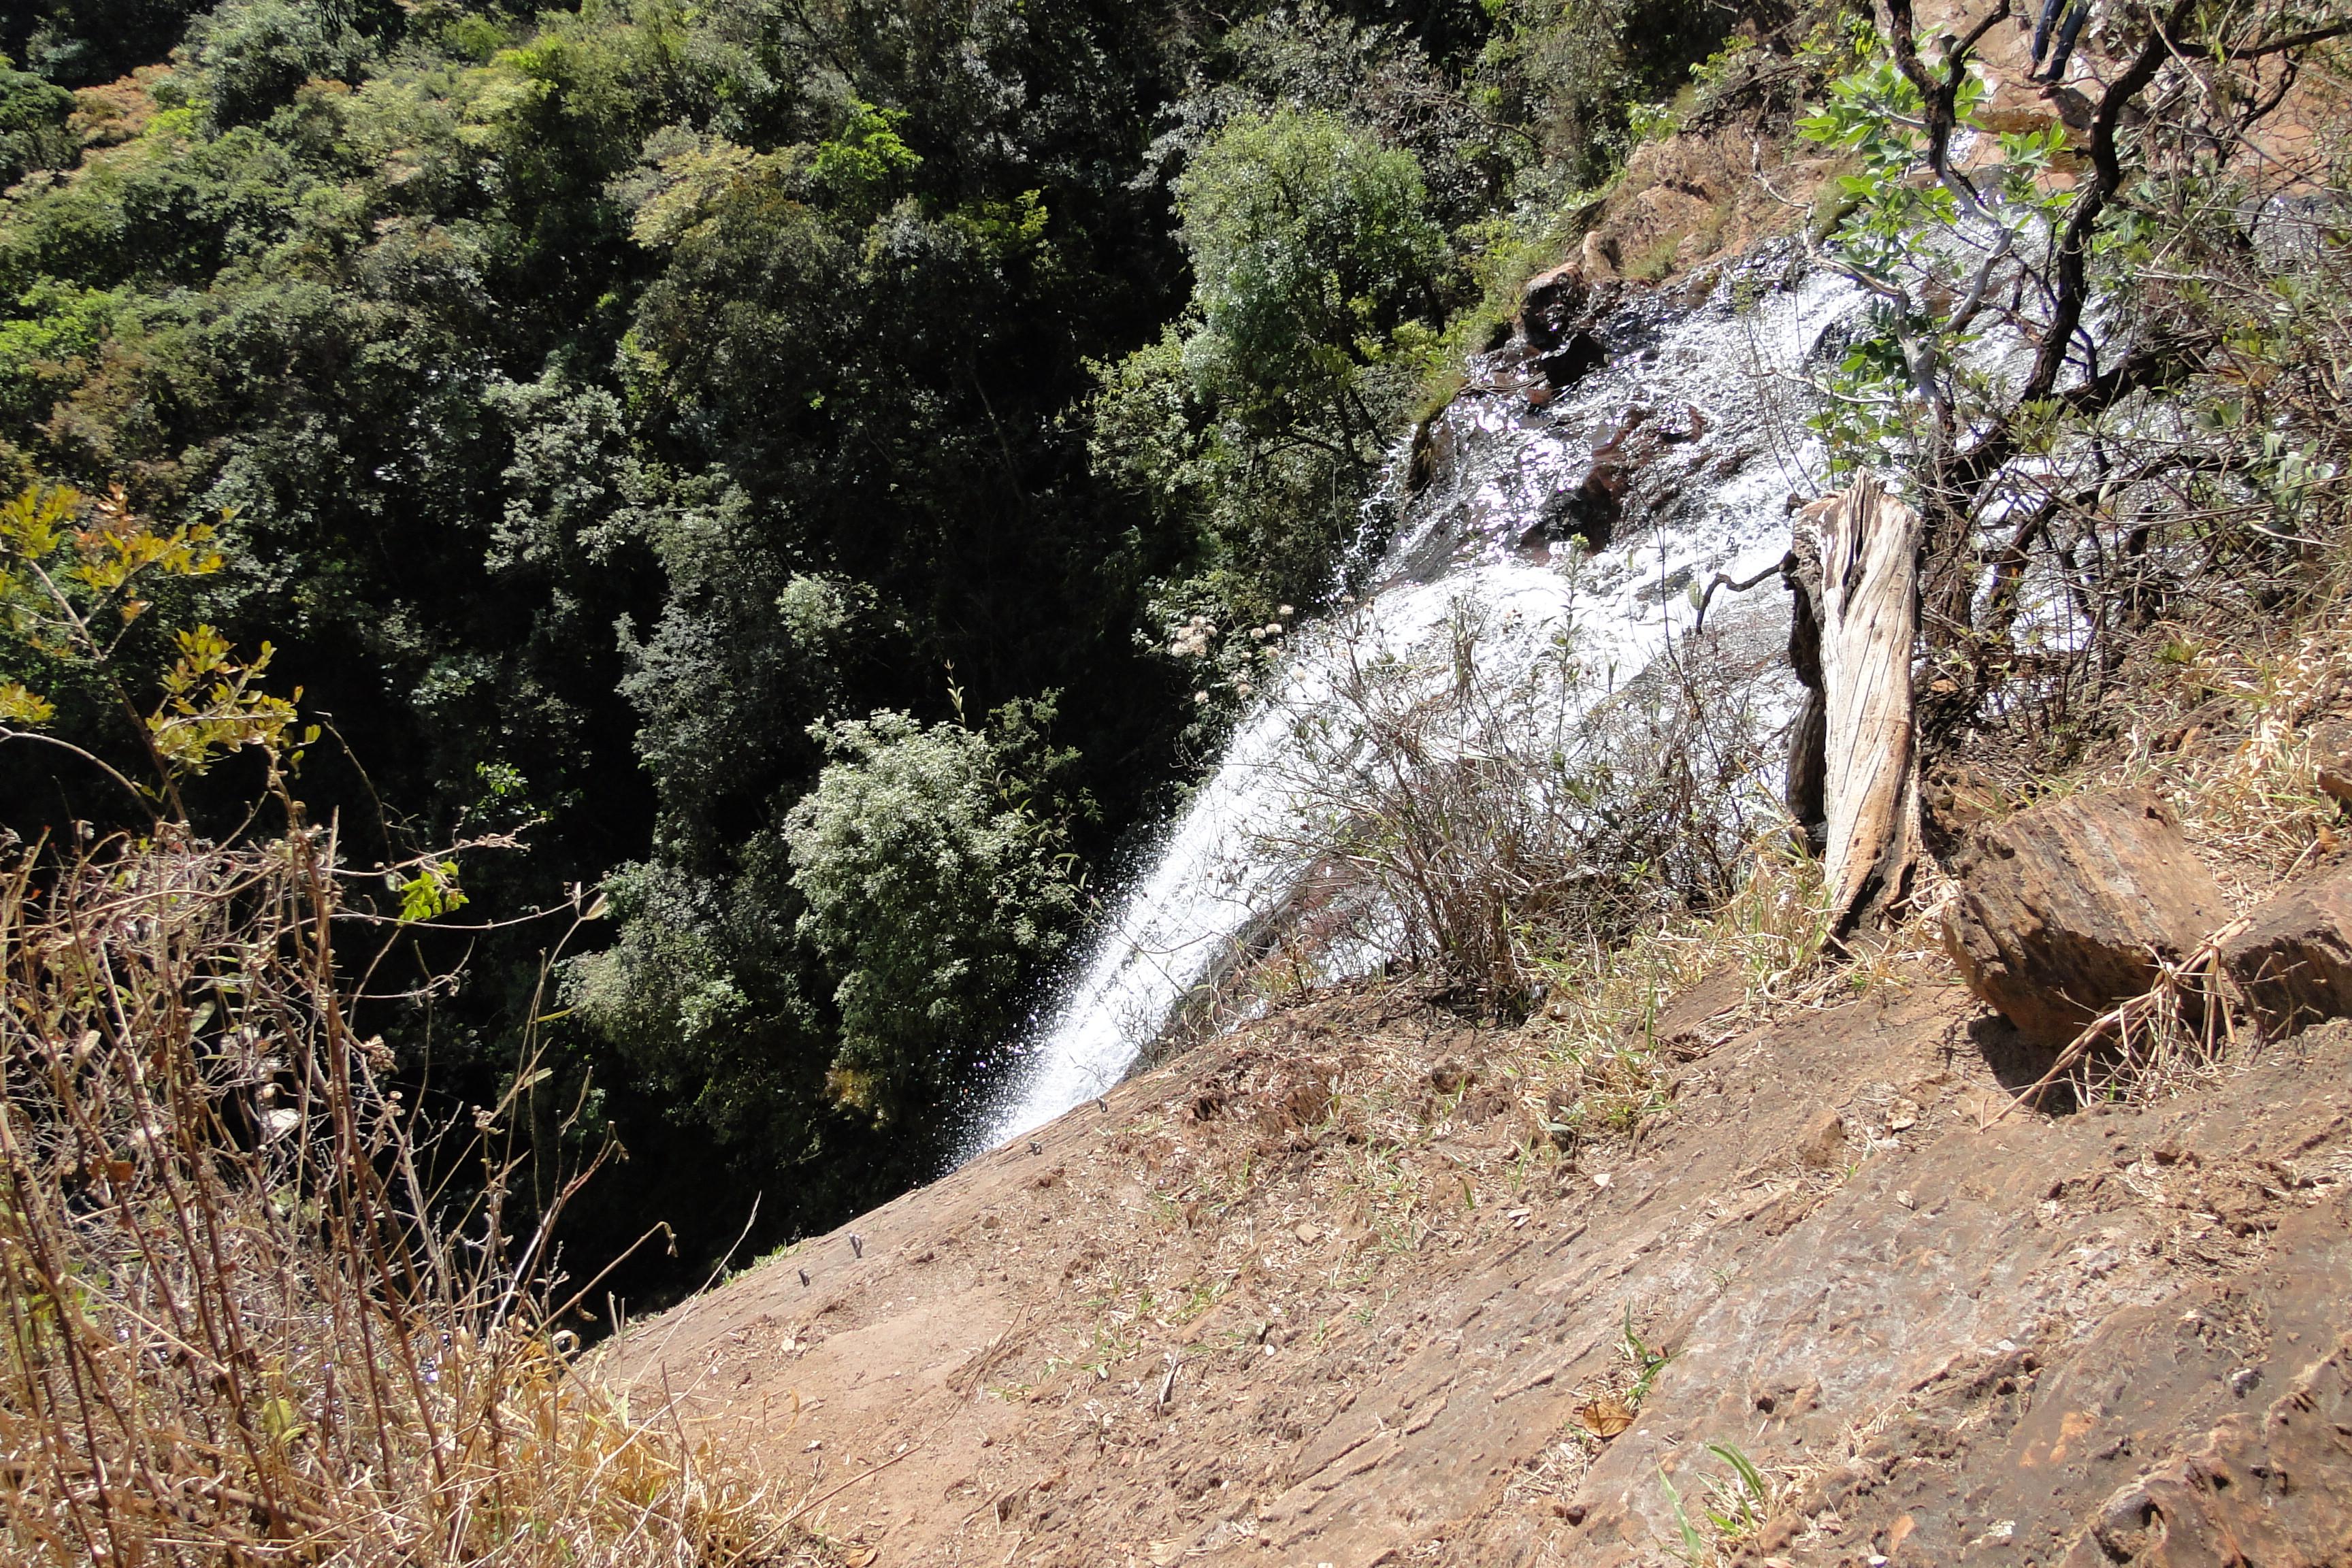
20, 706
431, 892
1694, 1544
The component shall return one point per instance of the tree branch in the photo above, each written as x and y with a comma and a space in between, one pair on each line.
2072, 294
2151, 365
1940, 95
2302, 40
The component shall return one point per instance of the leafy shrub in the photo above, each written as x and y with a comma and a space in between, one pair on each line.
1260, 419
1579, 73
866, 968
2092, 355
934, 866
32, 124
1310, 245
253, 54
79, 43
1381, 80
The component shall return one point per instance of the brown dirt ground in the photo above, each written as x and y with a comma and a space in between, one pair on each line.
1322, 1293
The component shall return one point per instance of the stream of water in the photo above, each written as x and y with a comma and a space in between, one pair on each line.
1688, 444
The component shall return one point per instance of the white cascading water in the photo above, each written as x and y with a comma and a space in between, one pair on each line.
1718, 388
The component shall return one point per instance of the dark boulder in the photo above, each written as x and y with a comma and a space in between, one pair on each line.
2066, 908
1579, 355
1550, 306
2293, 960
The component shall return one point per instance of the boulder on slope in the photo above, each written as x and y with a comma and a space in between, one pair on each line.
2293, 960
2066, 908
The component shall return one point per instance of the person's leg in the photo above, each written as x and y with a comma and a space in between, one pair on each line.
2072, 29
2041, 31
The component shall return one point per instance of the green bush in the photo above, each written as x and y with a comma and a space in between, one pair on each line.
78, 43
32, 124
866, 968
1311, 245
1259, 419
1577, 74
938, 881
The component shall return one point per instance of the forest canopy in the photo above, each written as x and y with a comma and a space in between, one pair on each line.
754, 455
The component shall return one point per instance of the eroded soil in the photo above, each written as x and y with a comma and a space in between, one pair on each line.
1323, 1293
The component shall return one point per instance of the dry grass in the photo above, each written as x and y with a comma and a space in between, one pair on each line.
228, 1334
2177, 1032
1598, 1033
1588, 1065
1484, 790
2246, 783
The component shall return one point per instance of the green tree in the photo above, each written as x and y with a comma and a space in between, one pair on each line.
1260, 419
1311, 247
2042, 316
938, 880
32, 124
78, 43
1572, 76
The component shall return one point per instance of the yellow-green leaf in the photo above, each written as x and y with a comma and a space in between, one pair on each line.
21, 706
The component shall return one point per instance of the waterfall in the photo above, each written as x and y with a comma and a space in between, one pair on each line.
1671, 463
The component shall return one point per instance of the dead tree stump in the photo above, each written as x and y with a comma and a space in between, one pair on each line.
1869, 622
1804, 790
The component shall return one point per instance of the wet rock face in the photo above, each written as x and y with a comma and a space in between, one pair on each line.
1560, 317
2065, 908
1550, 306
1589, 512
1582, 354
2293, 962
1605, 418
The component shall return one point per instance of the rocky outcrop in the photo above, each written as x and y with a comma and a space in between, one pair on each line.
1549, 305
1557, 310
2066, 908
1695, 1020
2294, 960
2270, 1491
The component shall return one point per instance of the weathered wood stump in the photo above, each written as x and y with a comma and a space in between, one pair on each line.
1867, 544
2293, 960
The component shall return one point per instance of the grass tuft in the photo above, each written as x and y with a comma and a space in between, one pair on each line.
236, 1323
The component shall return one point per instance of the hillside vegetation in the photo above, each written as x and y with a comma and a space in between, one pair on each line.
619, 419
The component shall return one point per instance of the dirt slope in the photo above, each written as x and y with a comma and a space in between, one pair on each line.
1324, 1294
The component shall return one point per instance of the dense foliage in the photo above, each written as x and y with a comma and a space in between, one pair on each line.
2093, 347
649, 429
